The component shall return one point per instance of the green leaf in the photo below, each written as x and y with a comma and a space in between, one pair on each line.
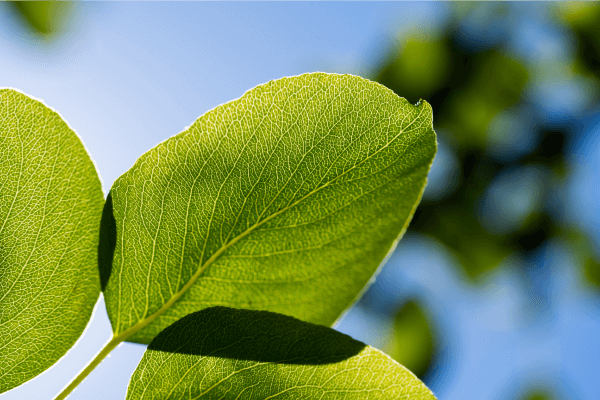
224, 353
413, 342
286, 200
44, 17
50, 207
538, 394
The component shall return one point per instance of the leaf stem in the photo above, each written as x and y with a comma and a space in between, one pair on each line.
108, 347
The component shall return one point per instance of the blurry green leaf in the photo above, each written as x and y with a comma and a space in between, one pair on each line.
50, 206
223, 353
592, 271
584, 254
413, 343
583, 20
578, 13
536, 230
496, 84
418, 70
538, 395
45, 17
286, 200
458, 228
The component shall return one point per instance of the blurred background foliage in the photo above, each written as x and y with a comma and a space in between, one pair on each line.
43, 18
494, 189
507, 112
496, 202
538, 395
412, 342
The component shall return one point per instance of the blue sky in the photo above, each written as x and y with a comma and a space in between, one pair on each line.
133, 74
130, 75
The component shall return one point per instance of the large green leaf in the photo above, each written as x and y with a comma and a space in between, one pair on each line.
286, 200
224, 353
50, 206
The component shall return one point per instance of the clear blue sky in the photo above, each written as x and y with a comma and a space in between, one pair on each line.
130, 75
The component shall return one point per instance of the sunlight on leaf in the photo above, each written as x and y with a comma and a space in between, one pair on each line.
50, 206
287, 200
224, 353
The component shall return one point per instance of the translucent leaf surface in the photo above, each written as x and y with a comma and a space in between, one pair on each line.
223, 353
50, 207
284, 200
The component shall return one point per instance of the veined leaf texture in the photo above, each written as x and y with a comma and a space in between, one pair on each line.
286, 200
50, 206
224, 353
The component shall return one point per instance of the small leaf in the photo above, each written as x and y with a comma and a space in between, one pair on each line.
413, 342
538, 394
224, 353
50, 206
44, 17
286, 200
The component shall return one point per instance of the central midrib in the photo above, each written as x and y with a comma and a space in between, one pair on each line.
146, 321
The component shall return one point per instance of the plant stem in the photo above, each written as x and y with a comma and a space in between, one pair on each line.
108, 347
121, 337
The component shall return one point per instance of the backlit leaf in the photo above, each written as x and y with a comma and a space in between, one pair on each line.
224, 353
50, 207
286, 200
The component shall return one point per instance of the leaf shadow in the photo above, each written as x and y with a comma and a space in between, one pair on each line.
107, 242
259, 336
